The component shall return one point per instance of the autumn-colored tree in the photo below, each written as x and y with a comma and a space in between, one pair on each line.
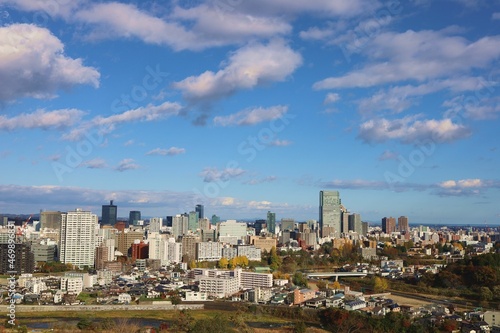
321, 284
380, 284
336, 285
192, 264
223, 262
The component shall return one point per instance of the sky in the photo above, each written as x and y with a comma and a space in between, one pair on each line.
249, 106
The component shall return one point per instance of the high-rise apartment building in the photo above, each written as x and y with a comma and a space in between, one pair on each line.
271, 222
78, 230
388, 225
109, 214
24, 259
155, 224
329, 213
403, 225
179, 225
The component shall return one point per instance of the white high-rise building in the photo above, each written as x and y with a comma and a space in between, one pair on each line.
174, 251
155, 224
158, 247
179, 225
78, 238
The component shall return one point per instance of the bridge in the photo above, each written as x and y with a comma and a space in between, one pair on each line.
335, 274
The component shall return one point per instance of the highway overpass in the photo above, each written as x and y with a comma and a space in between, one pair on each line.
326, 275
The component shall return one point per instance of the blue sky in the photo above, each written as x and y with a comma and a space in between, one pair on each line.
249, 106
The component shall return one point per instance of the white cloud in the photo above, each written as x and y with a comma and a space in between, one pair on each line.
33, 64
472, 107
331, 98
388, 155
105, 125
495, 16
195, 28
53, 8
95, 163
251, 116
248, 67
167, 152
399, 98
42, 119
257, 181
126, 164
411, 130
416, 55
280, 143
215, 175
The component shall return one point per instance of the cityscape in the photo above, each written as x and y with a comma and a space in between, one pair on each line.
251, 166
78, 259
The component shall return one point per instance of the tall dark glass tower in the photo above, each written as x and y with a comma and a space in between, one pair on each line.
133, 217
109, 214
200, 210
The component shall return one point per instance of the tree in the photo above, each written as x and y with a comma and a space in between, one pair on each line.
321, 284
485, 294
223, 262
274, 259
85, 324
183, 321
380, 284
299, 327
336, 285
192, 264
217, 324
299, 279
174, 297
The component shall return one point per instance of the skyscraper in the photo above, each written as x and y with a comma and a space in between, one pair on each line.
355, 223
388, 225
215, 219
403, 225
109, 214
193, 221
51, 220
78, 238
271, 222
179, 225
329, 213
133, 217
200, 210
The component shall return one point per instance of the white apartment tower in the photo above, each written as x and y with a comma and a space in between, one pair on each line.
78, 237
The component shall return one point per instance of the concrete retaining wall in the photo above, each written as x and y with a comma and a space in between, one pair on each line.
132, 307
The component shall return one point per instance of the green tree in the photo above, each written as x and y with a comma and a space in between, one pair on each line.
85, 324
299, 279
485, 294
321, 284
274, 259
299, 327
183, 321
217, 324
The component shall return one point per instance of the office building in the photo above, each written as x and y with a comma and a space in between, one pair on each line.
204, 224
287, 224
126, 238
50, 220
140, 250
109, 214
45, 251
388, 225
77, 240
330, 213
271, 222
263, 243
192, 221
134, 216
344, 227
403, 225
215, 219
233, 228
200, 210
355, 223
258, 226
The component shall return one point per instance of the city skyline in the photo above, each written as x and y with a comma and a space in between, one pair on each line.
252, 107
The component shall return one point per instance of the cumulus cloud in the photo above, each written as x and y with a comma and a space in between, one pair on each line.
247, 68
411, 130
471, 107
33, 64
251, 116
126, 164
214, 175
416, 55
42, 119
53, 9
167, 152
